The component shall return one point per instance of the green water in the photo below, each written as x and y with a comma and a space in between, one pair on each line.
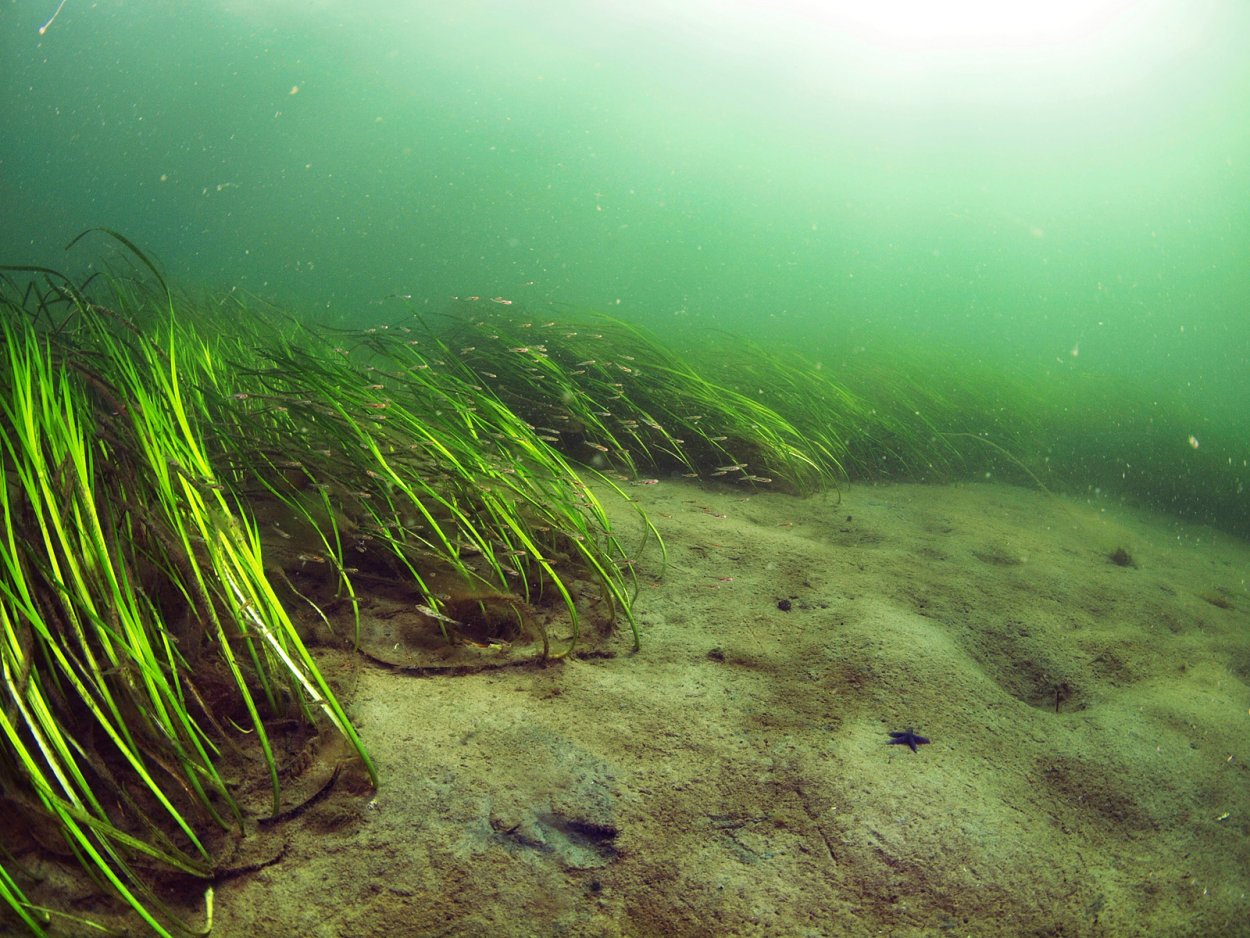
1058, 199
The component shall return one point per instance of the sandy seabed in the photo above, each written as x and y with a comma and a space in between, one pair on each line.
1087, 771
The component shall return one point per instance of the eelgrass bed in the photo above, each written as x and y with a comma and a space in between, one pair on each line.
195, 496
202, 503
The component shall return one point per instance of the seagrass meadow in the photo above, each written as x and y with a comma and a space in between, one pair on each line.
195, 493
200, 495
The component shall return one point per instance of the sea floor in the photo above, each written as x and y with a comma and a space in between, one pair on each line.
1087, 771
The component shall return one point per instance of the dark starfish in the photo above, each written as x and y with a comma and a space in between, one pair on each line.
907, 738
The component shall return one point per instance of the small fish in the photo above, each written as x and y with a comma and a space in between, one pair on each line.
494, 645
435, 614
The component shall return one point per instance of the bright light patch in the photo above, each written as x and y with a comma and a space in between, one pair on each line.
927, 52
976, 24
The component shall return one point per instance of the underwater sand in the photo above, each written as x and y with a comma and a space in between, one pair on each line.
733, 777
